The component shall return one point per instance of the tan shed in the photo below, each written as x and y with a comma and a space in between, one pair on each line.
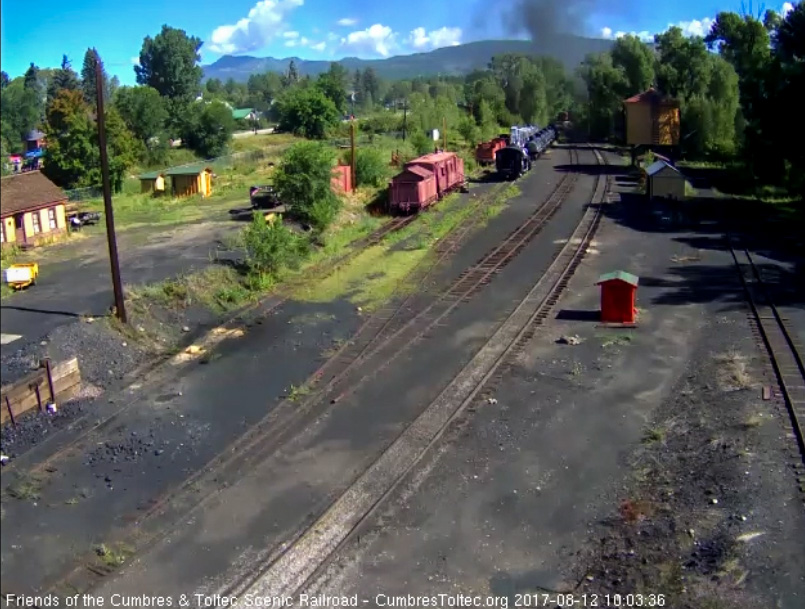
191, 180
652, 120
152, 182
664, 181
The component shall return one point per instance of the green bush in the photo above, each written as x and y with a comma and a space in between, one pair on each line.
371, 166
422, 143
270, 247
304, 181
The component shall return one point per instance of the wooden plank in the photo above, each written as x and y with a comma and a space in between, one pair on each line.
766, 392
22, 395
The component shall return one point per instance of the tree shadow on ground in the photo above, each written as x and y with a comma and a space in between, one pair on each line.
702, 224
591, 170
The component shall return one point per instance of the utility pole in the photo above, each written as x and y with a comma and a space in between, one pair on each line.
444, 133
120, 306
352, 154
405, 117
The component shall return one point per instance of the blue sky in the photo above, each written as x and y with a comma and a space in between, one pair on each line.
312, 29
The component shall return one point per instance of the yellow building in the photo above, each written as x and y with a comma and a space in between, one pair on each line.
652, 120
152, 182
32, 209
190, 180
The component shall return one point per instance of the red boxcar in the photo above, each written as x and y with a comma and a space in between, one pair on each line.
425, 180
485, 152
413, 189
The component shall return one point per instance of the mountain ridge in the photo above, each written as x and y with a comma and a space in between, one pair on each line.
449, 61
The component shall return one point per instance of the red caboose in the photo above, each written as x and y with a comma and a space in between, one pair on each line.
426, 180
448, 168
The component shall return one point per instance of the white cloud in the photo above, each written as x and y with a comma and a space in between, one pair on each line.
290, 43
264, 22
347, 21
290, 34
443, 37
319, 46
135, 61
694, 27
376, 40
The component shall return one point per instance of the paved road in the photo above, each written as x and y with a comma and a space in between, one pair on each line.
82, 284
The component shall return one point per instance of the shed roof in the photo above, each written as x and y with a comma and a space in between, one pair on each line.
658, 166
189, 170
34, 135
152, 175
241, 112
28, 191
618, 276
651, 95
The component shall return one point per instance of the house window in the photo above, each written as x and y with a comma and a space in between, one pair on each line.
36, 223
52, 218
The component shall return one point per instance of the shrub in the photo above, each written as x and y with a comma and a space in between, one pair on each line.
303, 181
270, 247
371, 167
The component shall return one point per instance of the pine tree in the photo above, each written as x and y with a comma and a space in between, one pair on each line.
88, 84
64, 78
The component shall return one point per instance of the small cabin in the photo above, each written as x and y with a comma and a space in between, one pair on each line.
190, 180
664, 181
652, 119
618, 295
152, 183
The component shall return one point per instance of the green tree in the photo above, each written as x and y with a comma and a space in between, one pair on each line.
304, 178
208, 128
333, 84
291, 77
605, 82
636, 60
89, 80
64, 78
307, 112
143, 111
20, 111
169, 64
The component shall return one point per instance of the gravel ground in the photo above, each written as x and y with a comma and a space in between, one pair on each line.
625, 462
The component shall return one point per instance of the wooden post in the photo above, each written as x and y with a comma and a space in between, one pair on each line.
444, 134
38, 396
49, 373
352, 155
10, 412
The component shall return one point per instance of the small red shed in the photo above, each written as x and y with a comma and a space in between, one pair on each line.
618, 291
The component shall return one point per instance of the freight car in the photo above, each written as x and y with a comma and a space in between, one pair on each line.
425, 180
485, 151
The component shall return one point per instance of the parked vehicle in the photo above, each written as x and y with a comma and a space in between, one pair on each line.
263, 197
19, 276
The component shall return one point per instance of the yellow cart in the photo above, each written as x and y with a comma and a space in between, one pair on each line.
19, 276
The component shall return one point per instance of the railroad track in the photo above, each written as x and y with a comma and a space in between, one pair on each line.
285, 420
299, 561
785, 353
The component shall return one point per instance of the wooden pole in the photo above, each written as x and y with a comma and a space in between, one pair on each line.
352, 155
10, 412
444, 134
117, 285
49, 373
